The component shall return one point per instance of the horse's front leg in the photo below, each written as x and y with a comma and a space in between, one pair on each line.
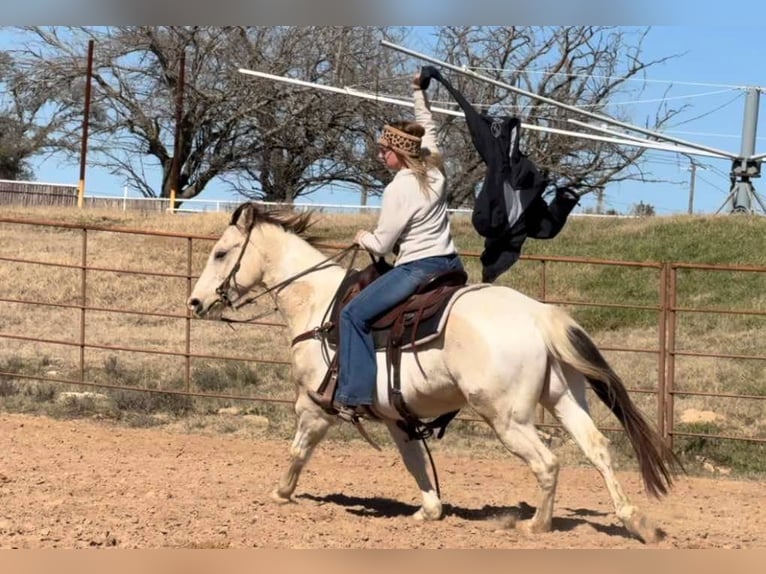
312, 427
414, 457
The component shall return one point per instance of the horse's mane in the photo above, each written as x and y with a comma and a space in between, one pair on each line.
287, 219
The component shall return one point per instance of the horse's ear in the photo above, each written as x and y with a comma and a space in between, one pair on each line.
244, 217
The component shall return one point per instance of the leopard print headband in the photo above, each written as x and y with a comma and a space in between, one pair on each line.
400, 141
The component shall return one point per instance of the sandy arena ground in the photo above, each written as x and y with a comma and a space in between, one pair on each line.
79, 484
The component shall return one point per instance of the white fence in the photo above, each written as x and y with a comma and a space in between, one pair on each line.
37, 193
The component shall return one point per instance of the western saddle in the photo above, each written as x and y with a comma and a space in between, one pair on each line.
408, 325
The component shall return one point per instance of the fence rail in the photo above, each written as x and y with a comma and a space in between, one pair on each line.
84, 262
55, 195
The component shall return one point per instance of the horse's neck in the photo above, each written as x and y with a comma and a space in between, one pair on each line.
303, 302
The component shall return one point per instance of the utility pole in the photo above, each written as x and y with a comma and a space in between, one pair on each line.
693, 169
693, 166
175, 166
85, 124
600, 200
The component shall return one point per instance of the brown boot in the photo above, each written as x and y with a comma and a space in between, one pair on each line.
323, 401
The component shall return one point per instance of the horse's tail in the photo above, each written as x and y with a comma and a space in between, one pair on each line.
570, 344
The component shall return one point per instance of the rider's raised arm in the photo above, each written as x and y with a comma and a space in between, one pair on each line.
424, 117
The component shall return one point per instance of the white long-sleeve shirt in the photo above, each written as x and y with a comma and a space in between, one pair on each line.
416, 221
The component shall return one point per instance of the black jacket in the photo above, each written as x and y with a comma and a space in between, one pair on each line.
540, 220
509, 207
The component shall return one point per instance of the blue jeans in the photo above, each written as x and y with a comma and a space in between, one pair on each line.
358, 369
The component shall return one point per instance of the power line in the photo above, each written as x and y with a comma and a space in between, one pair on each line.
716, 186
601, 77
705, 114
522, 107
710, 134
635, 102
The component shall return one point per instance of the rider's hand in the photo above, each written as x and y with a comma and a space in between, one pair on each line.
423, 79
416, 82
358, 236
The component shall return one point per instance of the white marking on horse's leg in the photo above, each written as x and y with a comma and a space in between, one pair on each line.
312, 427
414, 457
596, 447
522, 439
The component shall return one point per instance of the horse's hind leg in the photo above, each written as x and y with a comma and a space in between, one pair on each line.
572, 412
312, 427
520, 437
414, 457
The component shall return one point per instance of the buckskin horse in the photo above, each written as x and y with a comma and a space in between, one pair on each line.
500, 352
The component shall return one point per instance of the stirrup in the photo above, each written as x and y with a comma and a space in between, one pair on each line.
351, 414
323, 402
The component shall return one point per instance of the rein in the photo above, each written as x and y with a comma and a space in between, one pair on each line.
230, 281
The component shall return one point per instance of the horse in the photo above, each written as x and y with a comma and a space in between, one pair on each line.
501, 352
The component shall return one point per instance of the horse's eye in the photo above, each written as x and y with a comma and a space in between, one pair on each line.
219, 255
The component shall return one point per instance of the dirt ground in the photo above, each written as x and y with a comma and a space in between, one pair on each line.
79, 484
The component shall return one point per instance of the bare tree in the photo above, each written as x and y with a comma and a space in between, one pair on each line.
266, 140
309, 138
581, 66
277, 142
29, 119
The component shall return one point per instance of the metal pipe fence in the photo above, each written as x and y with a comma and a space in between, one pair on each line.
89, 300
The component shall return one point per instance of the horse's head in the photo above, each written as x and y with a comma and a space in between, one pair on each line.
233, 267
239, 260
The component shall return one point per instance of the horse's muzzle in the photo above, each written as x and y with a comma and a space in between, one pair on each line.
195, 306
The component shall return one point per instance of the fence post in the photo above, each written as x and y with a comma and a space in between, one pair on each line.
671, 352
83, 299
662, 328
187, 350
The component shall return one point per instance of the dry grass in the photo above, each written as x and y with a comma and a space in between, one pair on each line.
637, 240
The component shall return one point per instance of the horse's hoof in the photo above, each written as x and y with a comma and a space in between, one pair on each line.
279, 499
653, 536
422, 516
646, 532
530, 527
643, 528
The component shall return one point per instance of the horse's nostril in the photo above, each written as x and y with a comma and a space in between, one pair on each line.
194, 304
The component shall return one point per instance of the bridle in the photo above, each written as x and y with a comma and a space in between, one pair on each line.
230, 282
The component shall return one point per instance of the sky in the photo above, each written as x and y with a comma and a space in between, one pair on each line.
713, 68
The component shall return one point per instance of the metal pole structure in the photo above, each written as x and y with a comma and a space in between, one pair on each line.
632, 141
85, 123
175, 168
553, 102
639, 142
743, 168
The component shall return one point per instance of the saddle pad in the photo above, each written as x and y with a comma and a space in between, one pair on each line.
432, 332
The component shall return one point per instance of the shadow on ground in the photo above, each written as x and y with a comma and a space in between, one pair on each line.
379, 507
